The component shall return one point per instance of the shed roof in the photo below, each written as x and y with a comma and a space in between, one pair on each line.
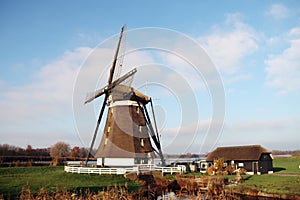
252, 152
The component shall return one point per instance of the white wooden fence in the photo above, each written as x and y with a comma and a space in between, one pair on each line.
138, 169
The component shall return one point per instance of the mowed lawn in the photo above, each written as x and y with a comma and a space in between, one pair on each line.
273, 184
285, 180
287, 165
13, 179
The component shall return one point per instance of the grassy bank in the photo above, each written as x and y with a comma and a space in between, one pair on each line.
285, 180
272, 184
286, 165
12, 180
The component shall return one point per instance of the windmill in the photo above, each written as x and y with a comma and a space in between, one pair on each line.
128, 134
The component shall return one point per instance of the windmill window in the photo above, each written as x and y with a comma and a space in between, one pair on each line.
108, 129
137, 110
106, 140
142, 142
140, 129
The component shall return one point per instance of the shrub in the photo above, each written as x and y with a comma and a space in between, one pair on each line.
219, 164
211, 170
243, 171
230, 169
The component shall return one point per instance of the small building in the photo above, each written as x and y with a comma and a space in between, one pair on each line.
202, 165
255, 159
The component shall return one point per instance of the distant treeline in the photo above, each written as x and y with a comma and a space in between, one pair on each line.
286, 152
187, 155
60, 148
10, 150
55, 155
62, 151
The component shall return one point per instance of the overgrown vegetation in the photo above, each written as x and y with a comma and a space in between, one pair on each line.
219, 169
115, 192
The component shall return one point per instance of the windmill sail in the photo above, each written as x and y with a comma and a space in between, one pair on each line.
125, 78
121, 56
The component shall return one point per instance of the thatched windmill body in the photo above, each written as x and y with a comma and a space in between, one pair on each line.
128, 136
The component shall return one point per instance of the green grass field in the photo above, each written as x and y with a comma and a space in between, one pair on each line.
285, 180
12, 180
273, 184
286, 165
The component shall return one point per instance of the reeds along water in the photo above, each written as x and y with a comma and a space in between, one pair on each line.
214, 193
182, 187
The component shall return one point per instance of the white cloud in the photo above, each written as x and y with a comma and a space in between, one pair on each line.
43, 105
283, 70
230, 44
253, 126
278, 11
264, 132
295, 32
273, 41
2, 83
198, 137
190, 138
237, 78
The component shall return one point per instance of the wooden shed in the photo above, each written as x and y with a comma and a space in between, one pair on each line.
255, 159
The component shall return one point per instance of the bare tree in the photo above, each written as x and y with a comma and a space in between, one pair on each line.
29, 148
58, 151
83, 152
75, 152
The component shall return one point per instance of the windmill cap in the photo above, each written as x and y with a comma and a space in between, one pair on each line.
123, 92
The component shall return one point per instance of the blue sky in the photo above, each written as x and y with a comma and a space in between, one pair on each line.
255, 47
